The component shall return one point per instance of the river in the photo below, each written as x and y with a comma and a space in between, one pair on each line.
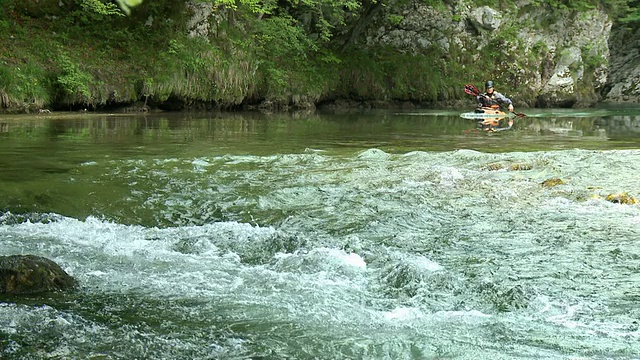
369, 235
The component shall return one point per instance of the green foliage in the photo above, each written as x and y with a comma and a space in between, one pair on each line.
395, 20
261, 50
632, 18
415, 77
437, 4
629, 12
616, 8
127, 5
23, 85
101, 8
91, 14
279, 39
540, 47
319, 18
591, 58
254, 6
362, 77
73, 82
619, 8
283, 48
4, 22
192, 69
385, 74
182, 71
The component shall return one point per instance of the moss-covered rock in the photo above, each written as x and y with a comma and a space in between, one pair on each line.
30, 274
621, 198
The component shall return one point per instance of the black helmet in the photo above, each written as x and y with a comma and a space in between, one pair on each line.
488, 84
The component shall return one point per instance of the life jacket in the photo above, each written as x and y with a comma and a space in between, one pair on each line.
490, 101
493, 99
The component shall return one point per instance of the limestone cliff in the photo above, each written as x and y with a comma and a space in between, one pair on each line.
623, 85
554, 58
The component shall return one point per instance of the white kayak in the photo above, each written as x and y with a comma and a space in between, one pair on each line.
484, 113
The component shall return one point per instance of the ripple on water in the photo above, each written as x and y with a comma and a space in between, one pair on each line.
373, 255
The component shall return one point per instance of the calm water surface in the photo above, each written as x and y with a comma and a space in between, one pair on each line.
378, 235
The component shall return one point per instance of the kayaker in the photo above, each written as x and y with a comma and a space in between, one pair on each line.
492, 97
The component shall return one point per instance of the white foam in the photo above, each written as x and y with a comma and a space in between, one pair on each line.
200, 164
450, 175
423, 263
414, 313
350, 259
403, 313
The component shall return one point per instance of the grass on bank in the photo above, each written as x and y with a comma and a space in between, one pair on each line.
68, 60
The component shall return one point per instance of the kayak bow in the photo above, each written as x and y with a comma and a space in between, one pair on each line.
484, 113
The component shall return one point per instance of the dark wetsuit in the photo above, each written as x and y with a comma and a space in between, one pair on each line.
495, 98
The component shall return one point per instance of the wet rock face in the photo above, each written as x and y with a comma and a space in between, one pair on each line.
565, 63
29, 274
623, 85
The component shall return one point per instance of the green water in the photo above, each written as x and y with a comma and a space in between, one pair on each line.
377, 235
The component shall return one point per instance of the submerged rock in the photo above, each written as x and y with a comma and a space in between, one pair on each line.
495, 167
520, 167
552, 182
30, 274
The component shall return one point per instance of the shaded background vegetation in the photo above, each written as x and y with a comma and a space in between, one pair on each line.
97, 54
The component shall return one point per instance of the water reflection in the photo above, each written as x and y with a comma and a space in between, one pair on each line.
257, 133
625, 126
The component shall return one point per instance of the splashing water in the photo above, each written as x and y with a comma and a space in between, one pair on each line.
359, 254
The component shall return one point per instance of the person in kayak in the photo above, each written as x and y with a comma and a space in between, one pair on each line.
491, 97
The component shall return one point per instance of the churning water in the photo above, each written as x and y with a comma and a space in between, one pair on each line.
349, 238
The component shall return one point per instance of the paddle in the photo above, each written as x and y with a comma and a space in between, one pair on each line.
473, 90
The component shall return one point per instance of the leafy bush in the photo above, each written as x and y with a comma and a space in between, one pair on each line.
100, 8
283, 48
74, 83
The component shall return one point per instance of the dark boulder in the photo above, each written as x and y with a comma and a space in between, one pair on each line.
29, 274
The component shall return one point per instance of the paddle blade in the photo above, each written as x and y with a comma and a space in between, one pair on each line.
519, 114
471, 90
